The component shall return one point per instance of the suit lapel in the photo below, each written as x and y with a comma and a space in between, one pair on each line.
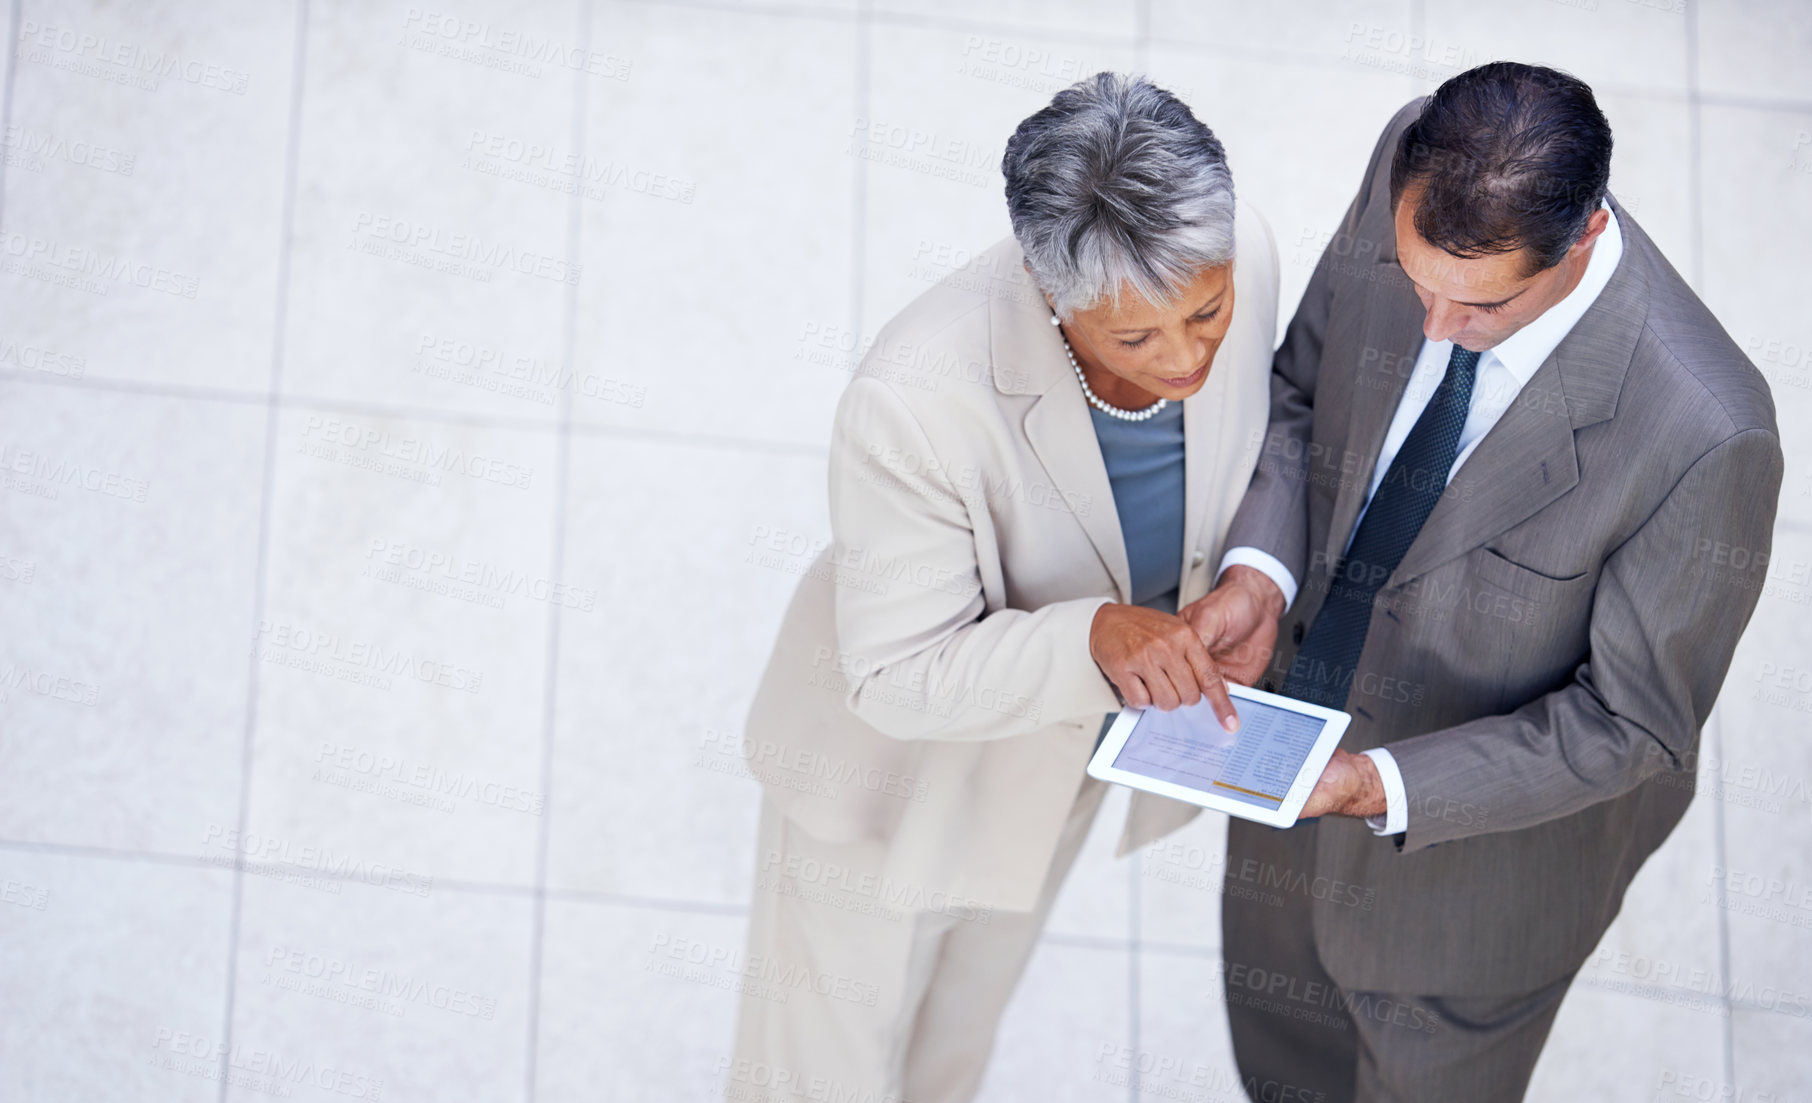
1060, 431
1393, 338
1028, 359
1529, 459
1526, 461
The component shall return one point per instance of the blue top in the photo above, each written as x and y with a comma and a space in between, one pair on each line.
1145, 466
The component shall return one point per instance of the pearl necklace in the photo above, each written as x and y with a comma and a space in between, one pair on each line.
1089, 392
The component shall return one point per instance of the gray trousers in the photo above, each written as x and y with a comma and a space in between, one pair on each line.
1297, 1036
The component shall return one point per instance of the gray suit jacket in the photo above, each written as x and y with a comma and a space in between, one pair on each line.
1552, 642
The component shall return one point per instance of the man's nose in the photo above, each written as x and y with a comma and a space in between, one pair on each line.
1443, 321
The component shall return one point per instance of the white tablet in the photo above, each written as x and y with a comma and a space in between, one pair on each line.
1264, 772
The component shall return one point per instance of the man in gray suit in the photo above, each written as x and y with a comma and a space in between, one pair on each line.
1509, 453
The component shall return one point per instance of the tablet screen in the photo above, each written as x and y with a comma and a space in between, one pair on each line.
1187, 746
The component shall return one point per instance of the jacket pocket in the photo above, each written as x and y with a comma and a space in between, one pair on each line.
1494, 567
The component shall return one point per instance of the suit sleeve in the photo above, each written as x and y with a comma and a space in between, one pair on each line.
1662, 638
924, 657
1273, 517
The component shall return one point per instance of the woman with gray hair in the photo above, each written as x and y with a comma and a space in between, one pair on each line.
1029, 475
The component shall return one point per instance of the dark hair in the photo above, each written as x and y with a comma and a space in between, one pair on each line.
1509, 156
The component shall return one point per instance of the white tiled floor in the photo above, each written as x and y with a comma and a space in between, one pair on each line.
324, 766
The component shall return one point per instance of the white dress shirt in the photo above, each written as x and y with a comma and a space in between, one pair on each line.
1502, 373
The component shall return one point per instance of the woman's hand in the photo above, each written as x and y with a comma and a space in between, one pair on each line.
1154, 658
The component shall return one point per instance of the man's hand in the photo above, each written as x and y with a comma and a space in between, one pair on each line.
1155, 659
1237, 622
1349, 786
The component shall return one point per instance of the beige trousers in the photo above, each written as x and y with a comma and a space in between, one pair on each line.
857, 988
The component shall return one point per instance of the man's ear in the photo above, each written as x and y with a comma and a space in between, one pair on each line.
1594, 226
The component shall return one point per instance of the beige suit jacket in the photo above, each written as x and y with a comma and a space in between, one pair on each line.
931, 687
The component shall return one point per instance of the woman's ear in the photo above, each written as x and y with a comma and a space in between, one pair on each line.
1027, 265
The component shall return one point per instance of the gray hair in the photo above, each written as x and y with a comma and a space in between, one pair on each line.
1117, 183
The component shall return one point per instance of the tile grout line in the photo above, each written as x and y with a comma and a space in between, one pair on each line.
858, 237
1745, 102
862, 11
1077, 37
261, 562
1418, 26
1135, 963
670, 438
1695, 190
475, 888
575, 226
1695, 194
600, 898
6, 96
189, 393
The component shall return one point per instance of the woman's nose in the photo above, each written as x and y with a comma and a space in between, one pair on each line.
1189, 356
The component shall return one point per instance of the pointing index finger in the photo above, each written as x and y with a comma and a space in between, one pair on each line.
1213, 687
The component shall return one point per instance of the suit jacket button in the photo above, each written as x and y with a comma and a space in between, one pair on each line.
1296, 632
1197, 559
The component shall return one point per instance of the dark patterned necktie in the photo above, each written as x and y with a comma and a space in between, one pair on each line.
1323, 670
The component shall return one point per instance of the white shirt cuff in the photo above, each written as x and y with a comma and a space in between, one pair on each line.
1262, 561
1396, 802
